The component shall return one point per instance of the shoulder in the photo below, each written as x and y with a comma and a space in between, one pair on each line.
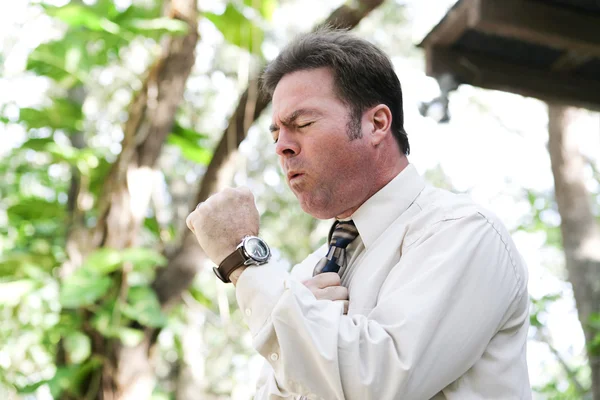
437, 207
455, 220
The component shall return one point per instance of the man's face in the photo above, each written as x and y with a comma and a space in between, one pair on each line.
327, 171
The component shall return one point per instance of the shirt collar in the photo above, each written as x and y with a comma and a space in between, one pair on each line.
376, 214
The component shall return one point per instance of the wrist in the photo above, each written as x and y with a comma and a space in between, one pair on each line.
235, 275
251, 251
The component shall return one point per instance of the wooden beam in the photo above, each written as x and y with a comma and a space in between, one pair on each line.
571, 60
486, 72
543, 24
453, 25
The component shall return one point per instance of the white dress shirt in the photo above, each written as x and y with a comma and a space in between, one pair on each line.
438, 307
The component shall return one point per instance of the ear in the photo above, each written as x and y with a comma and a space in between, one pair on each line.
381, 123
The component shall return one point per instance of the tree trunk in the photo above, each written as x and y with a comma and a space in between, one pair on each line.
126, 193
580, 231
126, 371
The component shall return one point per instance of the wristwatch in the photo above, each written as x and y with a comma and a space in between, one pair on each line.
251, 251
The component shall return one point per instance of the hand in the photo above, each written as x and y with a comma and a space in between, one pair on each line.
328, 286
221, 222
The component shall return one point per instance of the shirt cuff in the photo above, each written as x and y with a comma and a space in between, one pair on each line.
258, 290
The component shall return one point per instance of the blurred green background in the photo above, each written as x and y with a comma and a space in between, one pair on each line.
117, 117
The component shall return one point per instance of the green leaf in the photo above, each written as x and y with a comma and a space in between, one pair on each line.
18, 265
103, 261
594, 321
534, 321
37, 144
29, 389
152, 225
157, 25
98, 176
264, 7
191, 144
200, 297
35, 208
143, 306
135, 12
130, 337
78, 346
594, 345
11, 293
62, 380
74, 56
191, 151
70, 321
68, 379
102, 320
143, 258
83, 289
63, 114
237, 29
49, 60
188, 134
77, 16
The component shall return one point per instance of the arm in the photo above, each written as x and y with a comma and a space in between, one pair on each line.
438, 309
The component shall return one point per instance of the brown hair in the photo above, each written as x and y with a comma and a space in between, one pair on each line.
363, 74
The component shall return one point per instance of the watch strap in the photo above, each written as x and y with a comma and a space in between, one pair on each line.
232, 262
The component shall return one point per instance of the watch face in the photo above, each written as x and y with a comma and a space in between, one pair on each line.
257, 249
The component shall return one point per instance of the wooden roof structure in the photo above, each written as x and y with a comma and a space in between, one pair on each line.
547, 49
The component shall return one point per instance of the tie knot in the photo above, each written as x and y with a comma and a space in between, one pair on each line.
343, 233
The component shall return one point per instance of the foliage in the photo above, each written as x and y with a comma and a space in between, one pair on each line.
44, 313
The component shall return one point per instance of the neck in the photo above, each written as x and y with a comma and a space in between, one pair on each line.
383, 175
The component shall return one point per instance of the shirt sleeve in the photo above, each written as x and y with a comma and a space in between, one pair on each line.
440, 306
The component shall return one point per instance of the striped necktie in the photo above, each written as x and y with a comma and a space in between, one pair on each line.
342, 233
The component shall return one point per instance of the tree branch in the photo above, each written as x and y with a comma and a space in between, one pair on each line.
541, 336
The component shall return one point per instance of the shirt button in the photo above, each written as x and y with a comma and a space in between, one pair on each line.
248, 312
274, 356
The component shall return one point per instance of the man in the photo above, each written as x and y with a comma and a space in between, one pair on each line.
421, 294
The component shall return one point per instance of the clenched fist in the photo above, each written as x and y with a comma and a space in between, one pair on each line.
328, 286
221, 222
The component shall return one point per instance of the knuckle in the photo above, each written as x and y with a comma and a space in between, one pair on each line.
229, 192
246, 193
340, 293
198, 213
333, 293
321, 294
334, 278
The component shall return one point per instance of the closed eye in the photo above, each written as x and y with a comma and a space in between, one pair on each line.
306, 125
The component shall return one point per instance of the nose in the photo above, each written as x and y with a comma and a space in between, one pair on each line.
287, 145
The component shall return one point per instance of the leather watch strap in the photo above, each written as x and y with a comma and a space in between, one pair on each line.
233, 261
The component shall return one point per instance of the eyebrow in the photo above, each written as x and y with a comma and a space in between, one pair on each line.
294, 116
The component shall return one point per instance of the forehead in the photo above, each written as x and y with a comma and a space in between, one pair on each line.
301, 89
